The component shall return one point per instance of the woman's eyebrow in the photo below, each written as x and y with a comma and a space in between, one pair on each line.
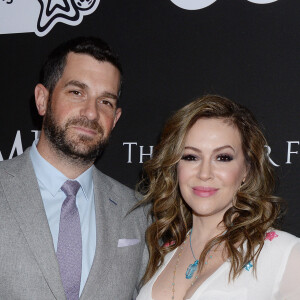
215, 150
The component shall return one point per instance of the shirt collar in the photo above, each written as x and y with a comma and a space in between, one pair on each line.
52, 179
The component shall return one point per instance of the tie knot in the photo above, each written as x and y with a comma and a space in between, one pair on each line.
70, 187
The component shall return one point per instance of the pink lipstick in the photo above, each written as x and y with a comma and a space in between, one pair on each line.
203, 191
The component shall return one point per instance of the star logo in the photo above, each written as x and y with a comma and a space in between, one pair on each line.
271, 235
70, 12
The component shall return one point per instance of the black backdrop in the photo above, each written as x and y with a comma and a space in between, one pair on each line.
245, 51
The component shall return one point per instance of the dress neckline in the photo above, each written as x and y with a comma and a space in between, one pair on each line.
201, 287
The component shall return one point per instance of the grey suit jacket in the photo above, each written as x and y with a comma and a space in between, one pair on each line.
28, 265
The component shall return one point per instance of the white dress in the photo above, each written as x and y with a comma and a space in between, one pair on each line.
278, 275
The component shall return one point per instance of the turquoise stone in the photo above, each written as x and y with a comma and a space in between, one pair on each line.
191, 269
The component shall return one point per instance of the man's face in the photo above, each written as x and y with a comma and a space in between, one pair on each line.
82, 110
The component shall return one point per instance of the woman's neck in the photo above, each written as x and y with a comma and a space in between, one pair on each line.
206, 228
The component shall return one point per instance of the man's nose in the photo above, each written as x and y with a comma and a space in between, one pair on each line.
90, 110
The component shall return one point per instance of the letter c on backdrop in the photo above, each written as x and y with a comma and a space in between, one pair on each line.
198, 4
262, 1
193, 4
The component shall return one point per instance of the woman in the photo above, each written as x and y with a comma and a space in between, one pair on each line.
213, 235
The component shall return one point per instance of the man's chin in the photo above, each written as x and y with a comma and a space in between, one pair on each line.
85, 151
83, 139
83, 148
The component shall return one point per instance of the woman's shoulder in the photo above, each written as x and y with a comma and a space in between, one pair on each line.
279, 243
281, 237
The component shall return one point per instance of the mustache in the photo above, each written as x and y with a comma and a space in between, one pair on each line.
84, 122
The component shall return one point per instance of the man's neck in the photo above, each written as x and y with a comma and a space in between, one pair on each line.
68, 166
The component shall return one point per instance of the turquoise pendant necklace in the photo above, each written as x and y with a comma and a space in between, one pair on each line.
192, 267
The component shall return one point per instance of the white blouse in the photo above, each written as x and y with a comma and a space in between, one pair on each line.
278, 275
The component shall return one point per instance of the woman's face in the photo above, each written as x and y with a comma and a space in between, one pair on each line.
212, 167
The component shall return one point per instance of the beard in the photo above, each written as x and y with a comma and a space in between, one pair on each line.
75, 147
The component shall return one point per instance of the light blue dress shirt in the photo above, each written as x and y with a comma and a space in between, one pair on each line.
50, 181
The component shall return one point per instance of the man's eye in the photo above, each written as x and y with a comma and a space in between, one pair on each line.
224, 157
189, 157
76, 93
106, 102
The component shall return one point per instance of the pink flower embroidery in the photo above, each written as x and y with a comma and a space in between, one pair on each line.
271, 235
168, 244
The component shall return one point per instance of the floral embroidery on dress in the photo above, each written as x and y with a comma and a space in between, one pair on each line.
168, 244
248, 266
271, 235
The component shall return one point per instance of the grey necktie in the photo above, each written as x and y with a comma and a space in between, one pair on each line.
69, 246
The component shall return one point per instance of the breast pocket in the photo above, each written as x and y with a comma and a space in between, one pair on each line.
128, 260
129, 253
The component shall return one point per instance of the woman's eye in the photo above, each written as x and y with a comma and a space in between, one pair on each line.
189, 157
224, 157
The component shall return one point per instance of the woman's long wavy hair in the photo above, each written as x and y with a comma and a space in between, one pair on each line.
255, 208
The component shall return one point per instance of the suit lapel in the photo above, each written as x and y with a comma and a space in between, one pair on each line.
108, 220
23, 194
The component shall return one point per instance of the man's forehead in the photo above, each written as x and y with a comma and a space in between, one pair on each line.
73, 57
80, 66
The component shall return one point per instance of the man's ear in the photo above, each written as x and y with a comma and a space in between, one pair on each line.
41, 95
117, 116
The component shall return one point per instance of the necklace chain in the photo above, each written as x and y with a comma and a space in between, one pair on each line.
194, 266
191, 246
174, 272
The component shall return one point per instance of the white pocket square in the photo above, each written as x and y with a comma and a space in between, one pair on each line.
127, 242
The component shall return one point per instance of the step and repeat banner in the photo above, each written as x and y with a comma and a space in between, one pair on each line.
172, 51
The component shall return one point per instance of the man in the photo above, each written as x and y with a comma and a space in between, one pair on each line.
66, 229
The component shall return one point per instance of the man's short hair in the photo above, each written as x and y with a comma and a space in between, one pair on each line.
54, 66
